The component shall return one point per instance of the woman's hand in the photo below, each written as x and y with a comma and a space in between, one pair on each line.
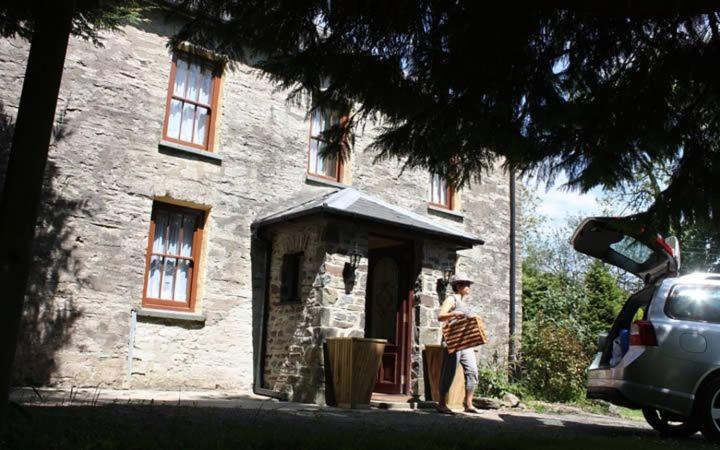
451, 315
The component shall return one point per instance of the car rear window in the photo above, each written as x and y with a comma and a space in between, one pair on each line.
632, 249
694, 302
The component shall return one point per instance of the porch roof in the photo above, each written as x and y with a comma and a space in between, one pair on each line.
351, 203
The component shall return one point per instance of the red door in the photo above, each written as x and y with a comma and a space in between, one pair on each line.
387, 313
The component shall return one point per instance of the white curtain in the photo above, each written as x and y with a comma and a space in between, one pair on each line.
193, 83
181, 281
205, 87
168, 277
320, 121
200, 125
438, 190
181, 78
186, 121
153, 287
186, 127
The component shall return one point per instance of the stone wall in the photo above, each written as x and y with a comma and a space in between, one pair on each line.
329, 306
428, 330
106, 169
293, 354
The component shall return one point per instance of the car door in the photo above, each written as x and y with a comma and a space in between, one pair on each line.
623, 243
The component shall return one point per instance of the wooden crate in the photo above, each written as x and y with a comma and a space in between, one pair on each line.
465, 332
433, 355
354, 365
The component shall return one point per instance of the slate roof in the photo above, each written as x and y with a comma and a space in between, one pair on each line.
349, 202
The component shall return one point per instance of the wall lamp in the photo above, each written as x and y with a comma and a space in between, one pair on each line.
351, 266
442, 283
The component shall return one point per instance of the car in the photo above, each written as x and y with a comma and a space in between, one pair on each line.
662, 354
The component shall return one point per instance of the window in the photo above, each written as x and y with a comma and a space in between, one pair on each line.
439, 192
699, 303
632, 249
172, 257
329, 166
290, 278
191, 107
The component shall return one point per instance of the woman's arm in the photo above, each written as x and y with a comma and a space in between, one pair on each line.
445, 313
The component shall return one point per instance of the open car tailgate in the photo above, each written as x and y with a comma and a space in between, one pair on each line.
636, 250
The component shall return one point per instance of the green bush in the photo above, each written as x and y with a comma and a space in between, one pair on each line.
493, 382
562, 314
554, 360
603, 298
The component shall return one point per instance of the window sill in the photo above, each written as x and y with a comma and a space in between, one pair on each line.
447, 212
183, 150
320, 181
171, 315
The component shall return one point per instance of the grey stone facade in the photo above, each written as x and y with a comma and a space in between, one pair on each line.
106, 169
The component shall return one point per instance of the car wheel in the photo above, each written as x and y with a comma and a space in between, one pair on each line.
708, 410
669, 424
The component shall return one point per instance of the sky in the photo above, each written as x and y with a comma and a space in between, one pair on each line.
556, 204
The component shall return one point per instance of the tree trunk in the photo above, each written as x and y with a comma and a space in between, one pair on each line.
25, 172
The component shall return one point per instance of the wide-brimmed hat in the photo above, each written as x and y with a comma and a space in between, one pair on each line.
461, 277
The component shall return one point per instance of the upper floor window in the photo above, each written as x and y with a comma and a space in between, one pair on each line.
439, 192
328, 166
172, 257
191, 107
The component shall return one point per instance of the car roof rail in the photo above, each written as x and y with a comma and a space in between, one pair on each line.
702, 276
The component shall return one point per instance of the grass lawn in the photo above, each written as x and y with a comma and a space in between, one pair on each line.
159, 427
588, 406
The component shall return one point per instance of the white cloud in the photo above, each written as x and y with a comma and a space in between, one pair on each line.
557, 203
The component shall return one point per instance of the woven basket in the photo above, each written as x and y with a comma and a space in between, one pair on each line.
463, 333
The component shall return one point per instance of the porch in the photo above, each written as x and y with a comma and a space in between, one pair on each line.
346, 264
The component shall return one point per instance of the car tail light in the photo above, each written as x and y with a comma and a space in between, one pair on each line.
642, 333
665, 245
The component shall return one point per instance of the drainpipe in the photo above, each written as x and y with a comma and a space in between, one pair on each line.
512, 351
131, 347
260, 244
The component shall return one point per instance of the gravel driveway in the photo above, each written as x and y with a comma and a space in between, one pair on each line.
144, 419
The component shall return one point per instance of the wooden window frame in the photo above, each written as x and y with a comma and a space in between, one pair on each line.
298, 259
450, 195
339, 164
209, 144
157, 303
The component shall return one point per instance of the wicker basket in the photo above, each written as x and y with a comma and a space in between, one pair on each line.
463, 333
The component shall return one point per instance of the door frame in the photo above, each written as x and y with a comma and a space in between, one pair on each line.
406, 286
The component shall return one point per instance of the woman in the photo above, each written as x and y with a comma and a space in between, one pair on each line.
454, 307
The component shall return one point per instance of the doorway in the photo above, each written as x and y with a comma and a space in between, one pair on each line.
388, 309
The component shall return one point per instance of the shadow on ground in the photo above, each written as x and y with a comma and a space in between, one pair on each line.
273, 425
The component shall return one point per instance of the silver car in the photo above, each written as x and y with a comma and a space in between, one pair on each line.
662, 354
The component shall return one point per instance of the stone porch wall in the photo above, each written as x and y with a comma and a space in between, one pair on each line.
329, 307
428, 330
292, 355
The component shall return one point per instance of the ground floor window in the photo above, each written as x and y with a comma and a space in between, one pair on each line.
172, 257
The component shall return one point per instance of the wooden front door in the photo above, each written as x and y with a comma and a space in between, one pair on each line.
388, 312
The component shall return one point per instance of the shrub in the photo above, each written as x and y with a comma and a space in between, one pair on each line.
555, 357
493, 382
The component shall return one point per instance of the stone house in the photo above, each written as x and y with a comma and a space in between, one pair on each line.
191, 236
